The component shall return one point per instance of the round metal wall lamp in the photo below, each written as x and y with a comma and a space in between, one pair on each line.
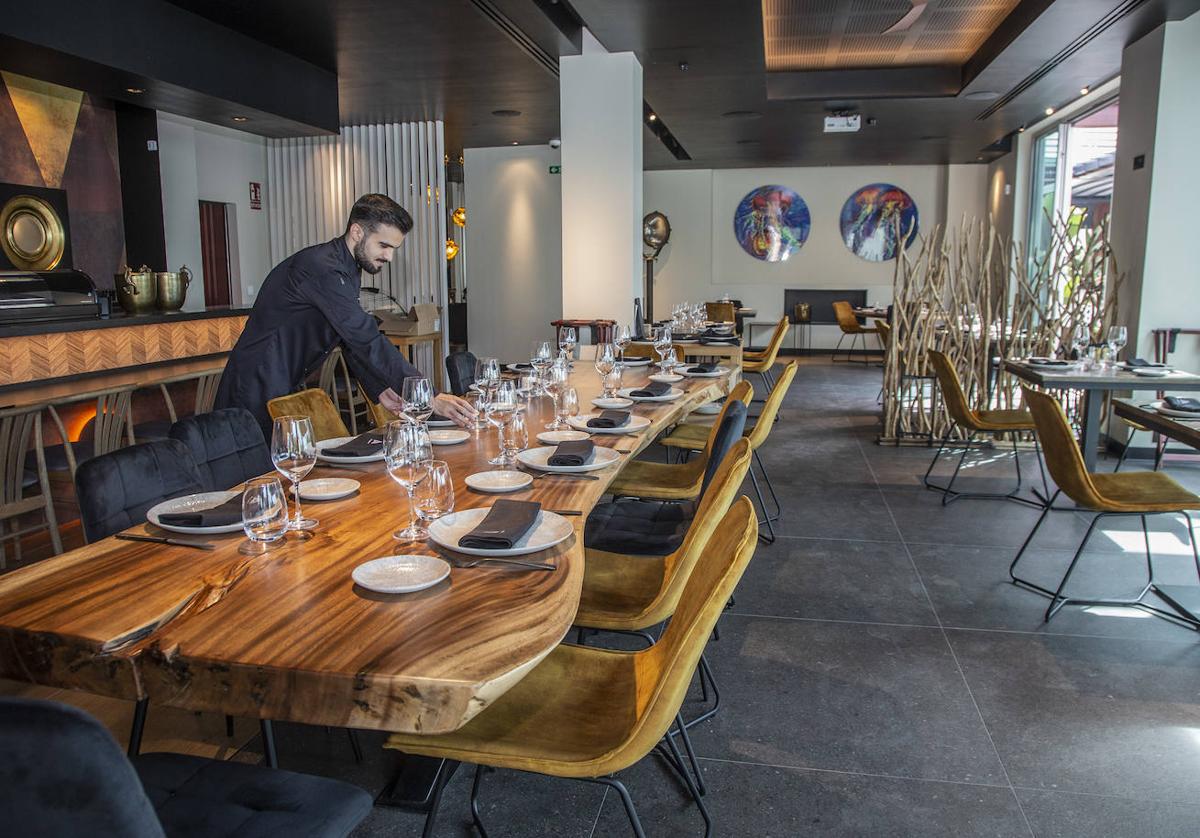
33, 237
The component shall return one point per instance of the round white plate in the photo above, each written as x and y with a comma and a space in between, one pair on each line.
717, 373
670, 396
688, 340
401, 574
666, 377
498, 481
637, 362
555, 437
537, 457
1162, 408
328, 488
635, 424
448, 437
189, 503
548, 530
1148, 372
708, 409
342, 440
612, 404
441, 423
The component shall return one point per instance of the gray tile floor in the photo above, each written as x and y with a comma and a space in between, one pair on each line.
882, 678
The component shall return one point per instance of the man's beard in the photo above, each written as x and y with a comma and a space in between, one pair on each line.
365, 264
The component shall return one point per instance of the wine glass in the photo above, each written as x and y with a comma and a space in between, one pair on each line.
622, 337
514, 438
670, 360
264, 514
487, 375
434, 496
606, 360
502, 405
566, 341
418, 399
1117, 336
556, 382
1080, 338
541, 358
566, 406
407, 454
294, 453
662, 341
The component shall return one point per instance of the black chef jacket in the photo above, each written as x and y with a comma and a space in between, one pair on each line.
306, 306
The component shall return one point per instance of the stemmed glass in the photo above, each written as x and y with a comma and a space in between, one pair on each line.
566, 342
418, 399
1080, 338
407, 454
264, 514
541, 358
294, 453
622, 336
670, 360
487, 376
1117, 335
556, 383
435, 494
502, 405
662, 342
513, 438
566, 406
606, 362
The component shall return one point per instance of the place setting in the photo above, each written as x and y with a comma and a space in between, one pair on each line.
608, 422
655, 391
1177, 407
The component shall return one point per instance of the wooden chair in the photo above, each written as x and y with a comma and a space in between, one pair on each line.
1139, 493
344, 393
586, 713
977, 422
317, 406
720, 312
849, 325
206, 396
675, 481
112, 426
17, 425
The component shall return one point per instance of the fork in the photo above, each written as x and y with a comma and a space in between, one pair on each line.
484, 560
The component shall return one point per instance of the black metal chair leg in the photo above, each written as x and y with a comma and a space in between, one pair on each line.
1192, 538
355, 746
1012, 568
445, 772
704, 671
1057, 601
268, 738
691, 753
949, 494
925, 480
138, 726
762, 467
695, 791
626, 801
767, 537
833, 356
476, 818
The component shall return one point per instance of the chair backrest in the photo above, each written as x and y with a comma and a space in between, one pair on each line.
730, 427
777, 338
722, 312
743, 394
227, 446
664, 671
1064, 460
952, 391
766, 419
111, 427
885, 333
334, 363
116, 489
206, 391
377, 413
317, 406
844, 312
16, 426
63, 775
460, 369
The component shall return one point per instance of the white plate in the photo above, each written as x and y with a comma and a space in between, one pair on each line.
537, 457
635, 424
708, 409
612, 404
328, 488
342, 440
670, 396
498, 481
1162, 408
190, 503
688, 341
401, 574
555, 437
448, 437
717, 373
1147, 372
548, 530
637, 362
1041, 364
441, 423
666, 377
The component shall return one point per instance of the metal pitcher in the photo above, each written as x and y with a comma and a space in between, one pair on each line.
172, 288
136, 290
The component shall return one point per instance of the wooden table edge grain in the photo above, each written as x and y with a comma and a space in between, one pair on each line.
235, 648
1155, 421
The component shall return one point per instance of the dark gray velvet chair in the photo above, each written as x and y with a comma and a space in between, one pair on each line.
460, 369
63, 776
116, 489
653, 527
227, 446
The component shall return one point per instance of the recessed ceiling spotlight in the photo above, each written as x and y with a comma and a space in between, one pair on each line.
652, 117
982, 95
1083, 91
980, 157
135, 90
1049, 111
684, 66
506, 112
239, 118
514, 142
742, 115
1021, 130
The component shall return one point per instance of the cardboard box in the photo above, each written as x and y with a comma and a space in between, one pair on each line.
422, 319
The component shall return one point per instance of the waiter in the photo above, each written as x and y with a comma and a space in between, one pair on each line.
308, 304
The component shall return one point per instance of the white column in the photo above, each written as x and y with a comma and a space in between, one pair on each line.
601, 117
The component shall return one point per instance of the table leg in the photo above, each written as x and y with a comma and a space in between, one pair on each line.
1093, 399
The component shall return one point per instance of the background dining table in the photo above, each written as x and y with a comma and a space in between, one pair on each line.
287, 635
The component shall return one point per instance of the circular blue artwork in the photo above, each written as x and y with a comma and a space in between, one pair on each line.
869, 218
771, 223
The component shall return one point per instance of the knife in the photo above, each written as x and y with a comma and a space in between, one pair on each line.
174, 542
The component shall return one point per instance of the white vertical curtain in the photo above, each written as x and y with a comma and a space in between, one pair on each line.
312, 182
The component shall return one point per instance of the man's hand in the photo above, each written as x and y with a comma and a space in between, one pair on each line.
391, 401
460, 411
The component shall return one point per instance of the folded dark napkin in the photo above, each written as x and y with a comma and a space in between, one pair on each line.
1048, 362
363, 445
523, 366
609, 419
1186, 405
505, 524
651, 390
574, 452
717, 340
710, 366
1137, 362
230, 512
437, 417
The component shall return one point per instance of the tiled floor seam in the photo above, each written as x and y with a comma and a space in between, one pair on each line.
599, 813
844, 773
949, 645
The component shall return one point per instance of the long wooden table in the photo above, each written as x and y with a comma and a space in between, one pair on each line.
287, 635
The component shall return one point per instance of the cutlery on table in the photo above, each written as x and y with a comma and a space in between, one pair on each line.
565, 511
495, 559
174, 542
538, 475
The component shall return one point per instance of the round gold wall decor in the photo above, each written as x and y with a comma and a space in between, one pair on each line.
32, 234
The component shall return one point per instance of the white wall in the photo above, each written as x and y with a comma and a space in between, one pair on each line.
1001, 192
514, 212
704, 259
203, 162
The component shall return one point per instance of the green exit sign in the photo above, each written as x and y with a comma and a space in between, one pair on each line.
556, 170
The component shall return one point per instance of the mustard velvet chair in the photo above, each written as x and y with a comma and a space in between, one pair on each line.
316, 405
850, 326
761, 364
1139, 493
976, 422
586, 713
692, 437
675, 481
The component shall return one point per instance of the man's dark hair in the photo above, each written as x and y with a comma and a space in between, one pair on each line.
370, 211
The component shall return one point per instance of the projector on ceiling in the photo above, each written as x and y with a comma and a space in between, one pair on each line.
843, 124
